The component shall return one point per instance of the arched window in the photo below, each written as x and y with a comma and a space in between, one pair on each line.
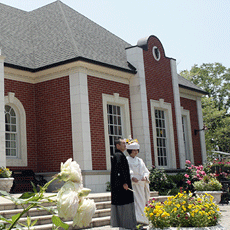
15, 132
11, 132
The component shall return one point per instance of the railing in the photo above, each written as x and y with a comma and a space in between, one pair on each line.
220, 155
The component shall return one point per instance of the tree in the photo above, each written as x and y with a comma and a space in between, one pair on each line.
214, 79
217, 136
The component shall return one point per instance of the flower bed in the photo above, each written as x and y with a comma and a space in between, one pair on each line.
183, 210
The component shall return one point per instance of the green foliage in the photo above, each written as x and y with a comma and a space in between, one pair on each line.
58, 222
108, 186
214, 79
5, 172
208, 184
159, 181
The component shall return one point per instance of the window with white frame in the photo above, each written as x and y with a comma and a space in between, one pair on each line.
163, 134
187, 135
11, 134
116, 121
15, 132
184, 127
114, 125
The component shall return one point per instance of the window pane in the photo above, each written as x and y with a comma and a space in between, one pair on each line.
7, 144
114, 109
13, 120
115, 120
118, 110
7, 152
110, 111
13, 152
110, 119
7, 108
119, 130
119, 120
7, 118
13, 136
13, 128
7, 136
12, 113
13, 144
7, 127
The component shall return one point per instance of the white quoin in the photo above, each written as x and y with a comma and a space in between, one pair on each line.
2, 115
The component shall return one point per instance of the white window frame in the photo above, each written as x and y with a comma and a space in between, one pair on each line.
21, 159
115, 99
186, 114
171, 155
16, 133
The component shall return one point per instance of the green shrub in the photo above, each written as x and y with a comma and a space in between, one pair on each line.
159, 181
208, 184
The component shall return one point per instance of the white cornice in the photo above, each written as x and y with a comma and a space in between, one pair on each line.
64, 70
193, 95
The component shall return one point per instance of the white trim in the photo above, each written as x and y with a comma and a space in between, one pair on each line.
177, 105
115, 99
81, 137
154, 55
186, 114
189, 94
139, 107
21, 160
202, 134
2, 115
161, 105
64, 70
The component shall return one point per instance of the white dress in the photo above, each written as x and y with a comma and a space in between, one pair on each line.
141, 188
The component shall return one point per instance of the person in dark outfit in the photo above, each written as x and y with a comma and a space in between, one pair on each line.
122, 199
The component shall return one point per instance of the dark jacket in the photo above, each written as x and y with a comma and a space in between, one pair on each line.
120, 175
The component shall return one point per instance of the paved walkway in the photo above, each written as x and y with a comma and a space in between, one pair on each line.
225, 219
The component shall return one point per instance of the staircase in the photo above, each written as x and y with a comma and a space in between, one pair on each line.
43, 217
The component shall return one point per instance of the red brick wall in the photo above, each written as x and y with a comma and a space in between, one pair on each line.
159, 85
54, 129
97, 86
25, 93
192, 107
48, 122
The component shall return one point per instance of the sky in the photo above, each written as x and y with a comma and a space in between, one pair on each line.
191, 31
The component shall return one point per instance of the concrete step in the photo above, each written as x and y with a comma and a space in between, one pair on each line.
43, 217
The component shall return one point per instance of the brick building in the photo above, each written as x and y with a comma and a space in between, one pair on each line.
68, 87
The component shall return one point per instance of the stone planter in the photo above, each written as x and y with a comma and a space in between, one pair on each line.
215, 194
217, 227
6, 184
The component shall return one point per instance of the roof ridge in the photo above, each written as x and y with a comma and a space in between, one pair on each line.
67, 24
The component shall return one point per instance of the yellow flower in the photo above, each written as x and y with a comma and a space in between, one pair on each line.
178, 205
151, 214
175, 209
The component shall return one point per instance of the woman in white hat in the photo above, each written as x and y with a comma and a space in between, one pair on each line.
140, 179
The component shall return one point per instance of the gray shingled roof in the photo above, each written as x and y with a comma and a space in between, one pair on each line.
184, 83
56, 33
